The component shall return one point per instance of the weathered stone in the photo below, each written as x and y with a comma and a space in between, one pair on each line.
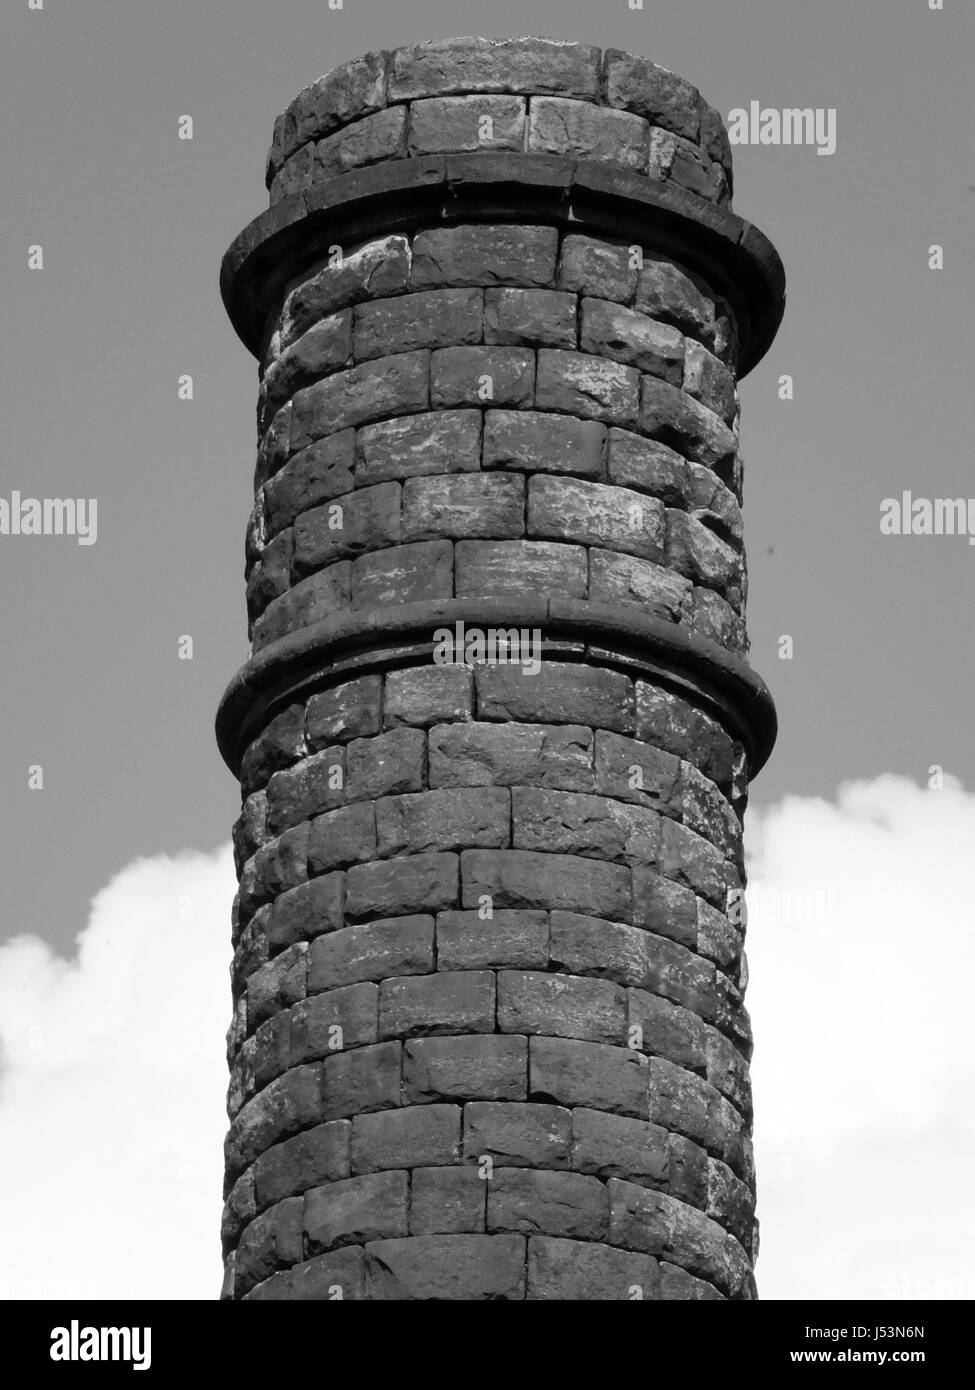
367, 519
442, 124
583, 1271
561, 1006
414, 1134
664, 98
570, 1072
387, 386
626, 335
467, 1067
517, 1135
471, 375
447, 1267
446, 441
425, 695
617, 578
560, 693
453, 1001
581, 384
518, 878
346, 93
617, 1146
433, 319
530, 318
320, 596
559, 126
317, 474
494, 65
560, 1204
592, 266
448, 819
478, 755
374, 138
514, 567
313, 1157
330, 1022
349, 710
463, 505
468, 941
447, 1201
544, 443
356, 1209
325, 347
373, 951
361, 1079
374, 270
574, 823
474, 255
403, 574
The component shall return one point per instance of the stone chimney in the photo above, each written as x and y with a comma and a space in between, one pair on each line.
495, 734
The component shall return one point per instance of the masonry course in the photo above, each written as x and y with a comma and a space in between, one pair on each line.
488, 1037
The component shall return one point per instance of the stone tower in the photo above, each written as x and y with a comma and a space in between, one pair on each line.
489, 1039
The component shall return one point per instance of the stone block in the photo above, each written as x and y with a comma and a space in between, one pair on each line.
491, 1067
446, 441
349, 710
485, 255
394, 385
447, 1268
439, 125
367, 141
530, 318
352, 1210
584, 1271
403, 574
568, 1205
425, 695
521, 879
561, 126
452, 1001
432, 319
466, 376
464, 505
373, 951
626, 335
406, 1138
449, 819
517, 1134
536, 442
528, 65
561, 1006
579, 383
468, 941
519, 567
447, 1201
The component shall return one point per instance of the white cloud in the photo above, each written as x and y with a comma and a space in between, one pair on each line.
861, 948
112, 1091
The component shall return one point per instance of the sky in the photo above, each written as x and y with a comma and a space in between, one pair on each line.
132, 820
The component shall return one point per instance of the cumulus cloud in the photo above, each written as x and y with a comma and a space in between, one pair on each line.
861, 930
112, 1090
862, 945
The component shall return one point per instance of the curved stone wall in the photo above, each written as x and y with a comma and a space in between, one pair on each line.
489, 1039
